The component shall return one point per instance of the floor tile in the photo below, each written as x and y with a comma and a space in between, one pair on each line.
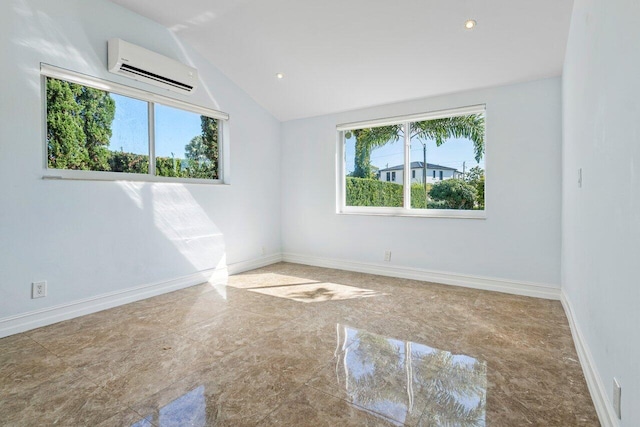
25, 364
127, 418
226, 332
67, 400
148, 367
220, 396
308, 407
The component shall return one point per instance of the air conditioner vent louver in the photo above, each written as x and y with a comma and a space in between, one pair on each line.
144, 65
143, 73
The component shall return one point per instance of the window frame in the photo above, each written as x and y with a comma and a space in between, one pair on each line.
405, 210
50, 71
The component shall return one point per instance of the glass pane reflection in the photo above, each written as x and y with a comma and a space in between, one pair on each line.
190, 409
403, 380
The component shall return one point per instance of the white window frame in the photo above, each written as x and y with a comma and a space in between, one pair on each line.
405, 210
50, 71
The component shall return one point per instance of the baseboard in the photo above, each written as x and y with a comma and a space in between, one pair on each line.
252, 264
598, 391
489, 284
47, 316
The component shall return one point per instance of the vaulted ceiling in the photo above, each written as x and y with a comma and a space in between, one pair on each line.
340, 55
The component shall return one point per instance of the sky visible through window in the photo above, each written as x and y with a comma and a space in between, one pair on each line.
453, 153
130, 126
174, 128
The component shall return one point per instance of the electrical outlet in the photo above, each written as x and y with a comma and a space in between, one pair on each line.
387, 256
39, 289
617, 395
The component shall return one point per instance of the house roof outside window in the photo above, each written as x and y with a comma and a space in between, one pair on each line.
419, 165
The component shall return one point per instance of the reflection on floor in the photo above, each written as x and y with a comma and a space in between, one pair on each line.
403, 380
315, 347
187, 410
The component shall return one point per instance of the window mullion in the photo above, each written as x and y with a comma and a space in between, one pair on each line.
341, 191
152, 137
407, 166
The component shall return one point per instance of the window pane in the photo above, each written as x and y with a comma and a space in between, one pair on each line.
374, 159
186, 144
90, 129
447, 156
130, 140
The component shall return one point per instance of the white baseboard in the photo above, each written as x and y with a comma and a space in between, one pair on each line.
598, 391
485, 283
252, 264
47, 316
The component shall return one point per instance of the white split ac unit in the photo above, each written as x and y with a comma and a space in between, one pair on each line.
146, 66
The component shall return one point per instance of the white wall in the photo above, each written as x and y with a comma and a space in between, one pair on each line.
601, 220
90, 238
519, 240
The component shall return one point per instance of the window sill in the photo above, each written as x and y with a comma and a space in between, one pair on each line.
415, 213
74, 175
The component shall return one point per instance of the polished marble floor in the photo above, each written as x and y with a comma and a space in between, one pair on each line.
294, 345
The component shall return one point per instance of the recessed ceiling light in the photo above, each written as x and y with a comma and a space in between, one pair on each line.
470, 24
280, 76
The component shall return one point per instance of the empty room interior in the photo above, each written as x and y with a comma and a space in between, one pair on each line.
305, 213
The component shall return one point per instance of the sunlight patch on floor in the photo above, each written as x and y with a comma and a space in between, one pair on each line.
266, 280
316, 292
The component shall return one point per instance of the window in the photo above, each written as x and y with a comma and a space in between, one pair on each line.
101, 130
388, 176
451, 142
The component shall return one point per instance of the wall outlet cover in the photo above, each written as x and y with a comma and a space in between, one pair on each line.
617, 395
39, 289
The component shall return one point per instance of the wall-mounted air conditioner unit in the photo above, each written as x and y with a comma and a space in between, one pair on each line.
146, 66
